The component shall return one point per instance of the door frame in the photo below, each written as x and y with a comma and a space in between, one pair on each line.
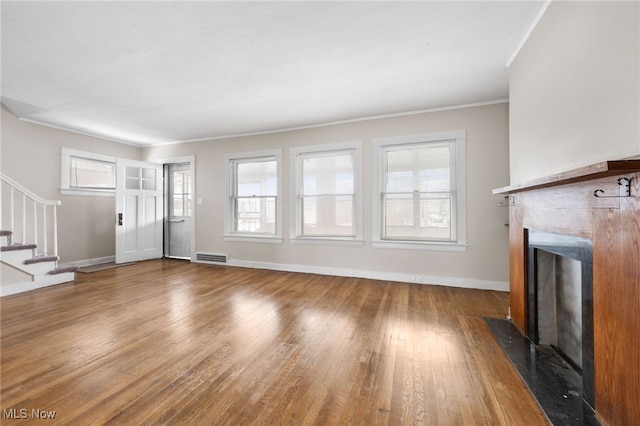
191, 159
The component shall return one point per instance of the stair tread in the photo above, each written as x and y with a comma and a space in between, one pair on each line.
63, 269
39, 259
17, 246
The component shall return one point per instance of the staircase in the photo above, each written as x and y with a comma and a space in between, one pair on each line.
28, 266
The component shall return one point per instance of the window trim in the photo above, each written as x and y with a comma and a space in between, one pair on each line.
229, 233
65, 173
295, 167
459, 138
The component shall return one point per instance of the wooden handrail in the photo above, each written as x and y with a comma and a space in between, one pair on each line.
26, 192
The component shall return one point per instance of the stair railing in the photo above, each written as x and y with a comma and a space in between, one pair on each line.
26, 211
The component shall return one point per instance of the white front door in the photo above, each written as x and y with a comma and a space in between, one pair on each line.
139, 214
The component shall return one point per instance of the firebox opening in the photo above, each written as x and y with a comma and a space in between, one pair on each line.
560, 300
560, 305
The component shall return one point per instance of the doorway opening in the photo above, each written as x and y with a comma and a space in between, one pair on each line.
178, 218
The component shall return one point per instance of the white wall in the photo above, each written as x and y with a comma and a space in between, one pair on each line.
31, 156
575, 89
485, 264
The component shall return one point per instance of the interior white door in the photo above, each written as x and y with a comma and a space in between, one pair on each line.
139, 212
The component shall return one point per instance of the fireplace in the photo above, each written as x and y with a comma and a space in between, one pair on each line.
595, 208
560, 300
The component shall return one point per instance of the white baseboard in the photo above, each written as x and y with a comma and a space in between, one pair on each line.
460, 282
91, 262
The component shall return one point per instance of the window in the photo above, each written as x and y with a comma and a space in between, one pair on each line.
254, 204
92, 174
86, 173
143, 178
327, 190
420, 193
181, 192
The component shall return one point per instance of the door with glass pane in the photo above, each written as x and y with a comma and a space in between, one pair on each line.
139, 213
178, 181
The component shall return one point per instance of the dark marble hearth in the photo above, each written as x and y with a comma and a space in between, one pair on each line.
553, 382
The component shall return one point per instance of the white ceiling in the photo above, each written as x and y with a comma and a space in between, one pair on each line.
156, 72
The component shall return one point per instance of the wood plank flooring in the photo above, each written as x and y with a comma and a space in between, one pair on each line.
169, 342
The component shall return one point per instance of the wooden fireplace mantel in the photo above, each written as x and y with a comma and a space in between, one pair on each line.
595, 171
565, 204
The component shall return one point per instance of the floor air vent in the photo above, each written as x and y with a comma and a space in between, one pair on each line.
211, 257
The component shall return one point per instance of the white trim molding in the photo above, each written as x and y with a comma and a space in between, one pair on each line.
327, 241
460, 282
243, 238
191, 159
229, 233
295, 177
456, 139
528, 33
91, 262
65, 173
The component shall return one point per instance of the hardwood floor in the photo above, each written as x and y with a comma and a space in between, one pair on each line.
169, 342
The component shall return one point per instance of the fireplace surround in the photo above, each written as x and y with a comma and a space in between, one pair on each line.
601, 204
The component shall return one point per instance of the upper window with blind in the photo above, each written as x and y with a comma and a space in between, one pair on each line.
253, 202
420, 192
327, 190
86, 173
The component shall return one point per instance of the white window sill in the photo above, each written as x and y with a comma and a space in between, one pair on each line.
89, 192
419, 245
244, 238
327, 241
